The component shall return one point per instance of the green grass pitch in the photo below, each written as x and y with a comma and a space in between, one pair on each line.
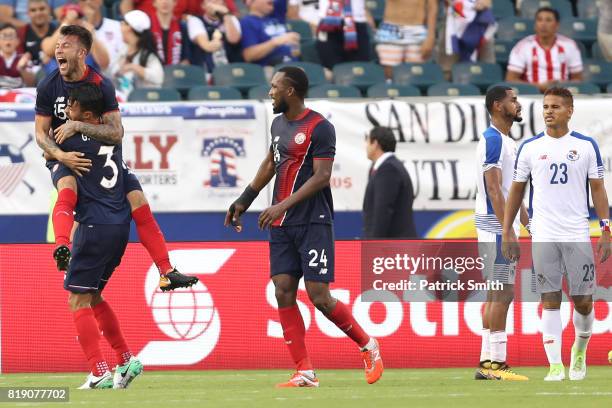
448, 388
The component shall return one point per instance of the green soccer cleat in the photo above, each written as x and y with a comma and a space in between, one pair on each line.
577, 369
126, 373
556, 373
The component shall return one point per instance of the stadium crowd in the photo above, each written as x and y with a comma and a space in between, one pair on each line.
173, 49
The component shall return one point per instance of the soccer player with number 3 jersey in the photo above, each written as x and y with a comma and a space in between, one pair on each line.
300, 219
561, 166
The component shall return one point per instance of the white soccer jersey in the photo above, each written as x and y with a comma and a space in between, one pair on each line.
538, 64
494, 150
559, 170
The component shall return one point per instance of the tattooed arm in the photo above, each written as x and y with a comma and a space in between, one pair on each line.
42, 125
110, 131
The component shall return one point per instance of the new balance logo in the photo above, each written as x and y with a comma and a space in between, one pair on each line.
323, 271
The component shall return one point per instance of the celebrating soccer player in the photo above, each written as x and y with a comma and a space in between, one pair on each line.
71, 50
562, 165
495, 157
300, 219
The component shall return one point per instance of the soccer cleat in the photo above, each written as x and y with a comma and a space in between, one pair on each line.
126, 373
174, 279
373, 363
577, 369
61, 254
556, 373
300, 379
93, 382
501, 371
483, 372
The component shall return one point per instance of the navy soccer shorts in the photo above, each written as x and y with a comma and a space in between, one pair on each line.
59, 170
96, 251
303, 250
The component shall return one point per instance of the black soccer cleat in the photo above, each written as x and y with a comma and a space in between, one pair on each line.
174, 280
62, 255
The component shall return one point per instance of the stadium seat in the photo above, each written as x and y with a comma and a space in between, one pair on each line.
583, 49
448, 89
183, 77
240, 75
359, 74
481, 74
314, 72
597, 72
502, 51
588, 9
376, 9
503, 8
584, 88
596, 52
579, 29
520, 88
259, 92
309, 52
609, 88
392, 91
420, 75
530, 7
514, 28
301, 27
330, 91
154, 95
204, 93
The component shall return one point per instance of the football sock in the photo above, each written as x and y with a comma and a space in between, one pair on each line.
89, 339
551, 335
109, 325
152, 238
485, 349
294, 333
341, 316
583, 325
499, 341
63, 215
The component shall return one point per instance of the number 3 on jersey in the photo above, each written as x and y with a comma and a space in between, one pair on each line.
108, 152
559, 175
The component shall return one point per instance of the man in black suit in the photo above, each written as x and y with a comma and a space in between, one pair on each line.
387, 205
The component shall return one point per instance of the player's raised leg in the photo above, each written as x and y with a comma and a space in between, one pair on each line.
63, 219
153, 239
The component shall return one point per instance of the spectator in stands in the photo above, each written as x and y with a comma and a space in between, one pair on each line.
170, 34
387, 205
31, 35
604, 29
215, 35
140, 66
407, 32
107, 30
467, 34
546, 57
182, 7
14, 71
265, 40
307, 10
15, 12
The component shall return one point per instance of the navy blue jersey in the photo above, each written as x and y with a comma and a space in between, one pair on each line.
295, 146
101, 192
52, 94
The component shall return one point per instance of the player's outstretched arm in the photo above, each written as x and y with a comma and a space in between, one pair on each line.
110, 131
262, 178
600, 202
510, 246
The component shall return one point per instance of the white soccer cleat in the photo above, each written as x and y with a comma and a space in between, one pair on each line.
93, 382
556, 373
126, 373
577, 369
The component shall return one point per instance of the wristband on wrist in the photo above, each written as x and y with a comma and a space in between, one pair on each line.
604, 225
247, 197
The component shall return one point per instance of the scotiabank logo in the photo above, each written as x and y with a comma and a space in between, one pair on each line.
187, 316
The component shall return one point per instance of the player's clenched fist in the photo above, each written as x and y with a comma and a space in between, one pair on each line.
240, 206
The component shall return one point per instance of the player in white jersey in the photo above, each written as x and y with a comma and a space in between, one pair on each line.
561, 165
495, 156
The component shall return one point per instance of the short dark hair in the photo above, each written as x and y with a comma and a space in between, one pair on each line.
548, 10
298, 79
562, 92
495, 94
4, 26
81, 33
89, 97
385, 138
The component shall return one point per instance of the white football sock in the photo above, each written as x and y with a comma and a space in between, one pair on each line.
499, 341
485, 349
583, 325
551, 335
